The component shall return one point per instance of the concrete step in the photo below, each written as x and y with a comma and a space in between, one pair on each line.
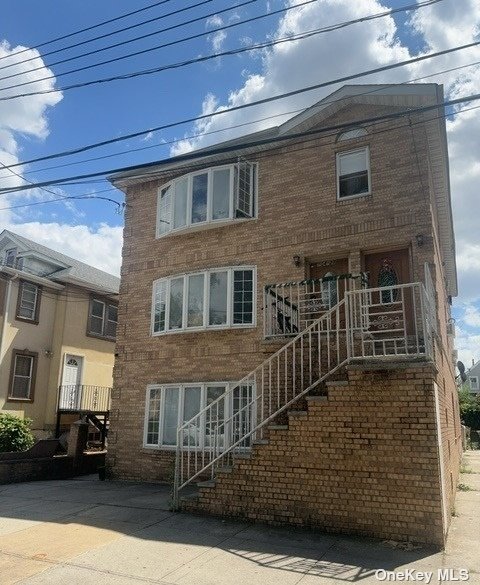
297, 413
242, 456
278, 427
260, 442
210, 483
225, 469
337, 383
317, 398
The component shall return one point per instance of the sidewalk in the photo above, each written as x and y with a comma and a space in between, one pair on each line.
86, 532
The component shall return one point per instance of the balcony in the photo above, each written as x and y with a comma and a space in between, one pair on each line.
291, 307
84, 398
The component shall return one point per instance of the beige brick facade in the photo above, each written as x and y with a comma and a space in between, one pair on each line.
379, 432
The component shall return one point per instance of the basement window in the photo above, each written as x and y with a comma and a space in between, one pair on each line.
169, 406
353, 173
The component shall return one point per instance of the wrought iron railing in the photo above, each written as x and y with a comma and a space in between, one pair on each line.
85, 398
387, 323
290, 307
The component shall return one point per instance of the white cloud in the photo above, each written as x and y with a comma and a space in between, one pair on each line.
217, 40
99, 246
214, 21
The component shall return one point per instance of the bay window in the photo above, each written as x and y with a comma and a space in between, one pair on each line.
216, 298
217, 194
171, 405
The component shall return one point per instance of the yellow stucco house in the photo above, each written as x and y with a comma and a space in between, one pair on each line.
58, 320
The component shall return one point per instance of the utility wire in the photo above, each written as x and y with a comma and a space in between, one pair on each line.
77, 32
109, 34
254, 144
201, 59
157, 32
199, 35
256, 121
244, 106
304, 145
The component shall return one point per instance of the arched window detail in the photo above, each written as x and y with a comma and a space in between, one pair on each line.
72, 362
388, 277
352, 133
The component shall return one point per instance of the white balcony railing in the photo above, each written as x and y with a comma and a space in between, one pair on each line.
291, 307
389, 323
84, 398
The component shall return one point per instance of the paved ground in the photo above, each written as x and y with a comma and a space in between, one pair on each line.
89, 532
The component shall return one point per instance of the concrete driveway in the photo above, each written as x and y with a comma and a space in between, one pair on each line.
87, 532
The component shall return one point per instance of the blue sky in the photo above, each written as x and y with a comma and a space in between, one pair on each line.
39, 125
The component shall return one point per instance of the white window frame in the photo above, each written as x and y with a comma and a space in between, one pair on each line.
30, 377
37, 293
106, 305
209, 222
473, 386
337, 171
206, 301
181, 402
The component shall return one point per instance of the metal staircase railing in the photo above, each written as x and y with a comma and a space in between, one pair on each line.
379, 323
229, 425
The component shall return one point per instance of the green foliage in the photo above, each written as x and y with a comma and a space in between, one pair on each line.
469, 408
463, 487
15, 433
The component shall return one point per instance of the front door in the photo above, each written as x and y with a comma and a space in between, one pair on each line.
71, 379
391, 310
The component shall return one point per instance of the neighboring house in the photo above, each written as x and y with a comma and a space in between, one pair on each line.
283, 321
58, 320
473, 378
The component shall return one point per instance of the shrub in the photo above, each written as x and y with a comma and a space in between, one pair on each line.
15, 433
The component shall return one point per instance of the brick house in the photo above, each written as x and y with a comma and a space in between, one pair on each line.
282, 337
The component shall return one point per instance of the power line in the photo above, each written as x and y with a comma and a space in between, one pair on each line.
257, 143
77, 32
294, 147
201, 59
109, 34
64, 198
201, 134
157, 32
244, 106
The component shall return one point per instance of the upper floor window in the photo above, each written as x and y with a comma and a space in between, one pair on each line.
22, 375
217, 298
102, 319
473, 382
213, 195
10, 256
352, 133
28, 302
353, 173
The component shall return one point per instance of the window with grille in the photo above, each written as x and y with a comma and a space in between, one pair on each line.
22, 375
102, 319
216, 298
171, 405
213, 195
28, 303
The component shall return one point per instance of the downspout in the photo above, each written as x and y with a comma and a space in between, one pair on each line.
8, 294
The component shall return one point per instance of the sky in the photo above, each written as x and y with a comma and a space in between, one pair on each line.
54, 121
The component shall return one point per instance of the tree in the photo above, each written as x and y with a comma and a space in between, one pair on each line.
469, 408
15, 433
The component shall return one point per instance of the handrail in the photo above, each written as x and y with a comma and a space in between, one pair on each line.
365, 324
261, 395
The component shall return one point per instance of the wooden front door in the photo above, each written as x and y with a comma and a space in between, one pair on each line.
392, 309
388, 268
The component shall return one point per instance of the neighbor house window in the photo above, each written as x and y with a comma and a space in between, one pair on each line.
473, 382
22, 375
10, 256
217, 194
217, 298
170, 406
102, 318
28, 302
353, 173
352, 133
